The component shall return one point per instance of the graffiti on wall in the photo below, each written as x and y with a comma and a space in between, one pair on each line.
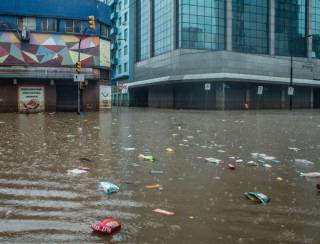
53, 50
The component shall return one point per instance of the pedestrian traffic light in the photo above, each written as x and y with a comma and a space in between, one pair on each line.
82, 84
78, 67
92, 23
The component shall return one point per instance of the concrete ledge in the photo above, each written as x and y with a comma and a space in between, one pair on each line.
224, 77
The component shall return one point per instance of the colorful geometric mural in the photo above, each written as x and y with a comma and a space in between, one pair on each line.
53, 50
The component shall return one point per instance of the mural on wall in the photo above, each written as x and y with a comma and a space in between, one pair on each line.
52, 50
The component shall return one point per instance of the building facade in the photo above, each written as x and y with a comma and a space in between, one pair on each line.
225, 54
39, 47
122, 49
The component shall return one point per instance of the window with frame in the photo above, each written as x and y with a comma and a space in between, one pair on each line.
125, 50
104, 31
28, 23
48, 25
290, 27
125, 67
73, 26
126, 34
250, 26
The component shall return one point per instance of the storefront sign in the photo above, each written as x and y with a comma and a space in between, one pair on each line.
207, 86
260, 90
105, 97
290, 91
31, 99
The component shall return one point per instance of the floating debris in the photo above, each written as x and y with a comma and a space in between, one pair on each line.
257, 197
169, 149
146, 157
155, 186
279, 179
108, 187
303, 162
129, 149
239, 161
163, 212
70, 136
76, 171
310, 175
213, 160
267, 165
231, 166
109, 226
221, 151
252, 163
294, 149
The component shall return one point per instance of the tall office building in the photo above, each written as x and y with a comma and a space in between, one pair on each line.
224, 54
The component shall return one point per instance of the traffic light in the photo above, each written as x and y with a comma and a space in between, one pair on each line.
82, 84
78, 67
92, 23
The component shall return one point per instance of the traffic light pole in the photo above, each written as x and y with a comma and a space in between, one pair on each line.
79, 90
92, 26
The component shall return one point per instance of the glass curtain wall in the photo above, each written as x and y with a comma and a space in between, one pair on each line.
250, 26
162, 26
290, 27
201, 24
143, 29
316, 28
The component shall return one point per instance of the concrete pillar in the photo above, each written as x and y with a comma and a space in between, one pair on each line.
311, 97
309, 27
247, 97
272, 18
220, 95
228, 34
175, 29
283, 96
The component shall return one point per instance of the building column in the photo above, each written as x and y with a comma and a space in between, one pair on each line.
151, 28
272, 18
311, 97
228, 34
247, 106
220, 95
309, 28
283, 97
175, 29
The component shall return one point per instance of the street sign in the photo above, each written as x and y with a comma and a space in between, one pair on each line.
260, 90
124, 89
78, 77
290, 91
207, 86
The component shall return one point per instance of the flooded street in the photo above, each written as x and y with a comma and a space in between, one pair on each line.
40, 202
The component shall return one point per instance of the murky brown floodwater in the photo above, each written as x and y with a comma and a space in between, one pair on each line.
40, 203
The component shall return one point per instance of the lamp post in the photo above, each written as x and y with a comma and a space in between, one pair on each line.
291, 89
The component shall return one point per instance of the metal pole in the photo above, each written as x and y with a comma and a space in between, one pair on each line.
79, 98
291, 77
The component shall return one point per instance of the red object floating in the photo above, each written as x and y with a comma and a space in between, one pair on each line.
231, 166
109, 226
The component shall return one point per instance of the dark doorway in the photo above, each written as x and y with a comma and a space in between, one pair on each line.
66, 98
316, 97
